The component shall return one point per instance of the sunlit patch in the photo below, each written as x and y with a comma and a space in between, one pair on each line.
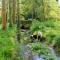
59, 2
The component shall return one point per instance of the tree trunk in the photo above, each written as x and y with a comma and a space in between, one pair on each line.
4, 15
14, 11
10, 13
18, 21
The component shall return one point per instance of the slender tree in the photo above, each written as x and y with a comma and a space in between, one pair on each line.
4, 14
14, 11
18, 21
10, 13
33, 10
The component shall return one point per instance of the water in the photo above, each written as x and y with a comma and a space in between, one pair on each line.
53, 52
26, 52
58, 58
36, 57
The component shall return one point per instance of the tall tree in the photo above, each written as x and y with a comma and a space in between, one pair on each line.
10, 13
18, 21
40, 9
14, 11
4, 14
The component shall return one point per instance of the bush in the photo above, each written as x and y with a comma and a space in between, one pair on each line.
50, 30
42, 51
0, 19
57, 38
57, 43
34, 26
37, 25
50, 37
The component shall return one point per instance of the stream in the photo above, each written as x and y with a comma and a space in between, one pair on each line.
27, 54
36, 57
54, 53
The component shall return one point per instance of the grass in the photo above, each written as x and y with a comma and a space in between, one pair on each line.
7, 43
49, 28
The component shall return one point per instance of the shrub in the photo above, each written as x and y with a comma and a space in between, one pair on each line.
43, 25
34, 26
37, 25
42, 51
49, 24
0, 19
57, 43
50, 37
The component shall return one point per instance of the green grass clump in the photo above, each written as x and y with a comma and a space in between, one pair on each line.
7, 44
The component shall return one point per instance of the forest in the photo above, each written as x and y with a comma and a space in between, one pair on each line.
29, 29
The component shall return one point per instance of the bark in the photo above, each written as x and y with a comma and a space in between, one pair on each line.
4, 19
18, 21
14, 11
10, 13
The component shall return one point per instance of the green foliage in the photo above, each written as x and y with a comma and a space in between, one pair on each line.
0, 19
25, 40
57, 43
37, 25
50, 37
7, 44
42, 51
42, 9
50, 30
